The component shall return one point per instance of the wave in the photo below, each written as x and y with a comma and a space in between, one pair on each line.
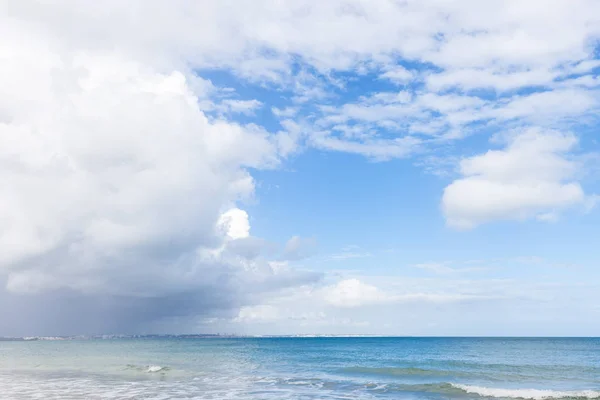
534, 394
155, 368
451, 390
515, 374
147, 368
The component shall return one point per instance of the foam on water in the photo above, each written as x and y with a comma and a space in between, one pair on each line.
535, 394
155, 368
150, 369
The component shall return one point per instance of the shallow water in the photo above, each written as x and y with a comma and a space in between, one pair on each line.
302, 368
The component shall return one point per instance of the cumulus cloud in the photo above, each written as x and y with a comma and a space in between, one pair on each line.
532, 177
120, 162
234, 223
119, 191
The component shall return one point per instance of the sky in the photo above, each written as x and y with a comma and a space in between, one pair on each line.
385, 167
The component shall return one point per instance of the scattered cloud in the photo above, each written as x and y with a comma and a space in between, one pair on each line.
287, 112
246, 107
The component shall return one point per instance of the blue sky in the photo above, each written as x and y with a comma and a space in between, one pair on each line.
390, 209
354, 166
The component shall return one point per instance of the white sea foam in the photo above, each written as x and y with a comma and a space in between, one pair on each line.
155, 368
535, 394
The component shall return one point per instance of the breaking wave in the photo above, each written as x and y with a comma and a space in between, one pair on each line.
155, 368
147, 368
534, 394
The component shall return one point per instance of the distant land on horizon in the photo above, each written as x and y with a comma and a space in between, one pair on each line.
235, 336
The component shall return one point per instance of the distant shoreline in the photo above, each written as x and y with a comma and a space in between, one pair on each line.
232, 336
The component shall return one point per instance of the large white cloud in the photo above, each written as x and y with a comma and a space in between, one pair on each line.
115, 182
117, 160
531, 177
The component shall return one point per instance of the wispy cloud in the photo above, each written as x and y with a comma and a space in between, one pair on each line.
349, 255
349, 252
445, 268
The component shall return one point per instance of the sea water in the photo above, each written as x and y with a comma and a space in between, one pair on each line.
302, 368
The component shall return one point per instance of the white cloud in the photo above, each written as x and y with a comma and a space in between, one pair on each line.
397, 124
246, 107
398, 75
396, 304
531, 177
267, 313
468, 79
354, 293
301, 46
258, 313
446, 268
378, 149
350, 293
547, 106
348, 305
286, 112
117, 162
257, 39
234, 223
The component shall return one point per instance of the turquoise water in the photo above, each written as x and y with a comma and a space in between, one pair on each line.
302, 368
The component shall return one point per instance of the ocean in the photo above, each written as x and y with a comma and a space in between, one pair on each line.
302, 368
